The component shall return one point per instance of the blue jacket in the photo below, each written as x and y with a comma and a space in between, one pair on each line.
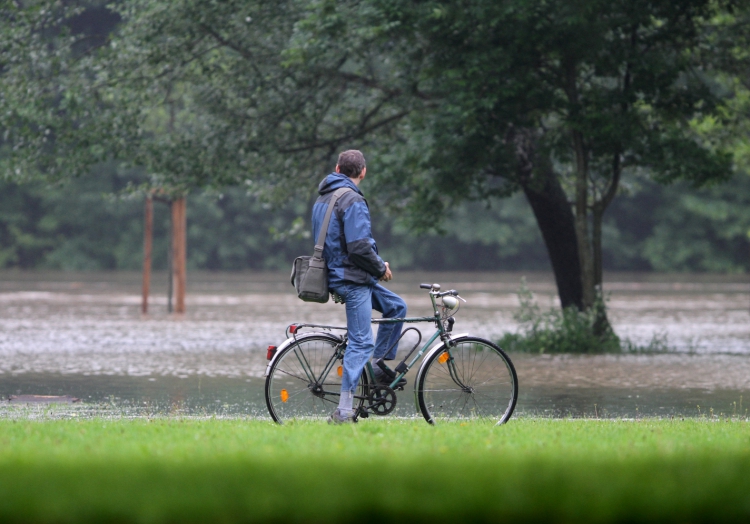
350, 251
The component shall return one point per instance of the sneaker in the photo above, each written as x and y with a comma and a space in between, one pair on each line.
337, 418
381, 377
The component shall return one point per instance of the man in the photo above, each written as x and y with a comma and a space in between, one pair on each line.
354, 269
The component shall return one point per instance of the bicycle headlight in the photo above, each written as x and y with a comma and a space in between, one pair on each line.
450, 303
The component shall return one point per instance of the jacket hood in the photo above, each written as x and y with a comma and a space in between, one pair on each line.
336, 181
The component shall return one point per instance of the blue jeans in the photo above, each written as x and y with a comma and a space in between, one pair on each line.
361, 299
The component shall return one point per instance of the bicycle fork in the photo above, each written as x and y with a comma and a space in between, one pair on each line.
454, 374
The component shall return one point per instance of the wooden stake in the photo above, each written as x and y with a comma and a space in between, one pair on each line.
179, 252
170, 259
148, 236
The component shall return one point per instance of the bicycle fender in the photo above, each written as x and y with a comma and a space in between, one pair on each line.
291, 340
435, 349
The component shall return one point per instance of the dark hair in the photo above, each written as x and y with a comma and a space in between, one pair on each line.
351, 163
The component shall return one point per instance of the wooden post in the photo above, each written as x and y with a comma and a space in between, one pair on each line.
170, 259
148, 236
179, 252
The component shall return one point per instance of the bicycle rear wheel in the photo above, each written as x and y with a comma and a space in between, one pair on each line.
304, 381
473, 380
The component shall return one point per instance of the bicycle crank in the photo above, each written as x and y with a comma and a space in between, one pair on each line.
382, 400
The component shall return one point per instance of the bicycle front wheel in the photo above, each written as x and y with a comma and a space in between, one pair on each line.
473, 380
304, 381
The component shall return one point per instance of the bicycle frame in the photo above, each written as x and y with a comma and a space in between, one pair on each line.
401, 370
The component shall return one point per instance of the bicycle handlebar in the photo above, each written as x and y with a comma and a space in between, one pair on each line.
436, 288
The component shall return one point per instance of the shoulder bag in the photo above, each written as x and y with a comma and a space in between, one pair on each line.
310, 274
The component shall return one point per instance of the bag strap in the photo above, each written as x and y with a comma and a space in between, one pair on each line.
318, 252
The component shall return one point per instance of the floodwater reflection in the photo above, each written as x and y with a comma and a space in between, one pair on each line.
83, 335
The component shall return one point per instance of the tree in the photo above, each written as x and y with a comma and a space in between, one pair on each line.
196, 87
70, 102
471, 99
546, 96
455, 100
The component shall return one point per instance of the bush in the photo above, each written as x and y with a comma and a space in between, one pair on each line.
569, 330
558, 330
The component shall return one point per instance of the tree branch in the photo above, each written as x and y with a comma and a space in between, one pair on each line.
359, 133
373, 83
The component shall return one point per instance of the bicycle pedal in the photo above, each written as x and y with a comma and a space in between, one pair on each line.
363, 414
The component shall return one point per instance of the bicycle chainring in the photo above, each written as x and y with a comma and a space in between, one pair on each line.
382, 400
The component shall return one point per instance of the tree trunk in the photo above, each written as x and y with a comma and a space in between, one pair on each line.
557, 224
581, 201
596, 241
585, 254
601, 325
553, 215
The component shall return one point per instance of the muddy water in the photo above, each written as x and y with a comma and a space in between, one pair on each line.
83, 335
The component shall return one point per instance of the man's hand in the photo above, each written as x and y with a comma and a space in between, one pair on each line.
387, 275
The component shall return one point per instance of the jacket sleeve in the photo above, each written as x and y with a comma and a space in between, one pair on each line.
360, 245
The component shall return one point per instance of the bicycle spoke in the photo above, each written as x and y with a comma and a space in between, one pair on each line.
312, 357
293, 376
465, 399
476, 383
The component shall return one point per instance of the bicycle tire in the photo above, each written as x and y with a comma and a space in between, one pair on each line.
289, 388
488, 389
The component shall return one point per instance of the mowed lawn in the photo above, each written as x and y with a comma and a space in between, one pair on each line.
187, 470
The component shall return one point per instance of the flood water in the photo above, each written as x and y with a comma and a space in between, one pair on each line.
83, 335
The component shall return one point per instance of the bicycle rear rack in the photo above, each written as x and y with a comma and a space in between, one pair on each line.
292, 329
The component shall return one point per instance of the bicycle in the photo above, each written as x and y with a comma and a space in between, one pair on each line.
461, 377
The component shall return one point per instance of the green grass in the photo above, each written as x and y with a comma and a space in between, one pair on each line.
181, 470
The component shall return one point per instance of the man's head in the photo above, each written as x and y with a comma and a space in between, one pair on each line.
351, 163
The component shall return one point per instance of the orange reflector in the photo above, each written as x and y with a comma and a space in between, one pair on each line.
340, 371
284, 395
443, 358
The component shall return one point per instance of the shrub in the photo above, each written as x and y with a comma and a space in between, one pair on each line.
558, 330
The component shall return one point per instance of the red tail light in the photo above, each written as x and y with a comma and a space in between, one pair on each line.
292, 329
271, 352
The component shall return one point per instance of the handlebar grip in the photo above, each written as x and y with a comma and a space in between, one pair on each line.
425, 286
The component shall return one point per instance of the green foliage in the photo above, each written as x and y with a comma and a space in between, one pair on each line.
182, 470
678, 228
198, 94
94, 222
76, 226
35, 53
704, 231
558, 330
84, 224
501, 235
460, 79
568, 330
208, 94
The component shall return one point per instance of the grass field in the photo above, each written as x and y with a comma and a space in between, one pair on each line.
187, 470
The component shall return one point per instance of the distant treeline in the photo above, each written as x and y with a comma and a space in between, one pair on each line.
82, 226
